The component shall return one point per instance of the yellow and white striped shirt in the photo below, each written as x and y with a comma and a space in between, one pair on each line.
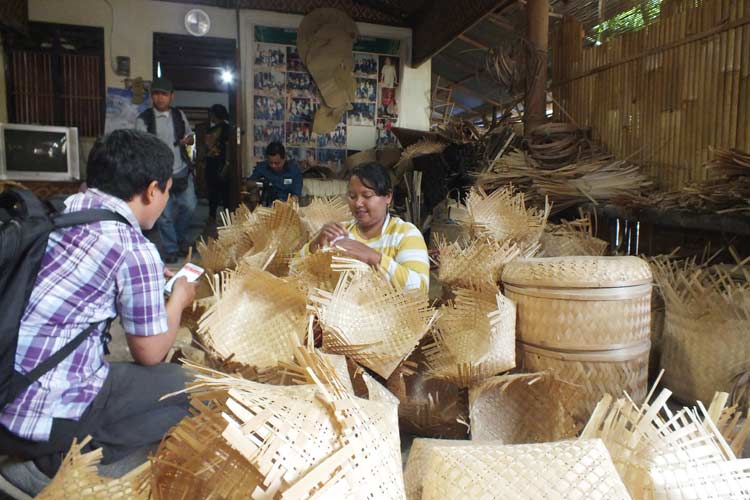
403, 253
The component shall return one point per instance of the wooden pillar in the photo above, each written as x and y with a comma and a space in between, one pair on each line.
537, 31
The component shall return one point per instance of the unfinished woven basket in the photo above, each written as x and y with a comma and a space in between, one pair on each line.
428, 406
478, 263
310, 441
706, 338
474, 337
317, 270
571, 238
258, 320
503, 216
277, 234
562, 470
522, 408
581, 303
321, 211
368, 320
663, 453
77, 478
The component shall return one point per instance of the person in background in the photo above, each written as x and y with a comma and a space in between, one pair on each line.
281, 178
388, 74
217, 164
375, 237
90, 274
171, 126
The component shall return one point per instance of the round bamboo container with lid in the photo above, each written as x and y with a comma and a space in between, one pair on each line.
586, 319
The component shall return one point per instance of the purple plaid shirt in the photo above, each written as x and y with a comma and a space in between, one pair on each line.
89, 273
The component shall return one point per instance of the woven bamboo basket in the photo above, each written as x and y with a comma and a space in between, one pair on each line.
368, 320
666, 453
503, 216
477, 263
428, 406
258, 320
571, 238
595, 372
706, 338
581, 303
522, 408
321, 211
565, 470
317, 270
416, 465
259, 441
474, 337
77, 478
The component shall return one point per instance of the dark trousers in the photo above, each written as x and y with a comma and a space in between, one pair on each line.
125, 416
218, 187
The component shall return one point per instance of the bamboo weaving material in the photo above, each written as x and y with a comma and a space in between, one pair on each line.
523, 408
367, 319
474, 337
477, 263
321, 211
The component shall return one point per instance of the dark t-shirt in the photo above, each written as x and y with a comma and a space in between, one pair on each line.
284, 183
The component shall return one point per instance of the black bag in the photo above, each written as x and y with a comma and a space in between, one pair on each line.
179, 184
25, 225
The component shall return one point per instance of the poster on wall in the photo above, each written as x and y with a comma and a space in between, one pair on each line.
121, 112
285, 99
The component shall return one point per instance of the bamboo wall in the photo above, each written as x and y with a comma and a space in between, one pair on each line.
664, 94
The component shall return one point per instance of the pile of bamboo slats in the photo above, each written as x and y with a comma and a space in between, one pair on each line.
596, 179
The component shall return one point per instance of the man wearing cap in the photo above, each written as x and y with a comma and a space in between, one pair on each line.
172, 127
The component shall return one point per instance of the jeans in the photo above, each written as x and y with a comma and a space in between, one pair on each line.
175, 220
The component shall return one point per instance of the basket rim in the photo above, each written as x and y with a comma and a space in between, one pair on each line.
627, 353
633, 271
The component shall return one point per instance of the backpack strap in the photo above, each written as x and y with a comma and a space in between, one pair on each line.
86, 217
20, 381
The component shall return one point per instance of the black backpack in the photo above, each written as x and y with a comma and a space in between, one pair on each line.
25, 225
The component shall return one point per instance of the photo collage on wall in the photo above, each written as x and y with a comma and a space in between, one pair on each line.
285, 99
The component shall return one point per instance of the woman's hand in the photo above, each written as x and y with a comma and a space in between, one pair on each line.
359, 251
327, 234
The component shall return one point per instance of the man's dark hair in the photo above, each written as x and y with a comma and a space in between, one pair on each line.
126, 161
220, 112
275, 148
374, 176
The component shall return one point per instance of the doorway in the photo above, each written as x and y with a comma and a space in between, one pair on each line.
203, 71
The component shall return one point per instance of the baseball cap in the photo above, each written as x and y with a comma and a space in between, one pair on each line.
162, 84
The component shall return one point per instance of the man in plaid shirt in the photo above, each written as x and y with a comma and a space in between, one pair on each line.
91, 273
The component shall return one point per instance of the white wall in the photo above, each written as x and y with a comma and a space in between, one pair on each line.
135, 22
192, 98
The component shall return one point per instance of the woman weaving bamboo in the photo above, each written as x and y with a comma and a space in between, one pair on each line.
375, 237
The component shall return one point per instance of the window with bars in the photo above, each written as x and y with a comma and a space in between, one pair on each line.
55, 76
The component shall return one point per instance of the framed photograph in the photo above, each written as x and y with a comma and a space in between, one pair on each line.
363, 113
270, 56
293, 61
265, 132
300, 85
365, 89
300, 134
365, 65
333, 158
335, 139
268, 83
301, 155
387, 105
268, 108
389, 76
301, 110
386, 137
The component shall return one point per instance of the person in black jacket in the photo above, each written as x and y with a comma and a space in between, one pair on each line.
217, 163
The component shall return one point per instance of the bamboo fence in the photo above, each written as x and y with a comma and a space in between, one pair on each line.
663, 95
